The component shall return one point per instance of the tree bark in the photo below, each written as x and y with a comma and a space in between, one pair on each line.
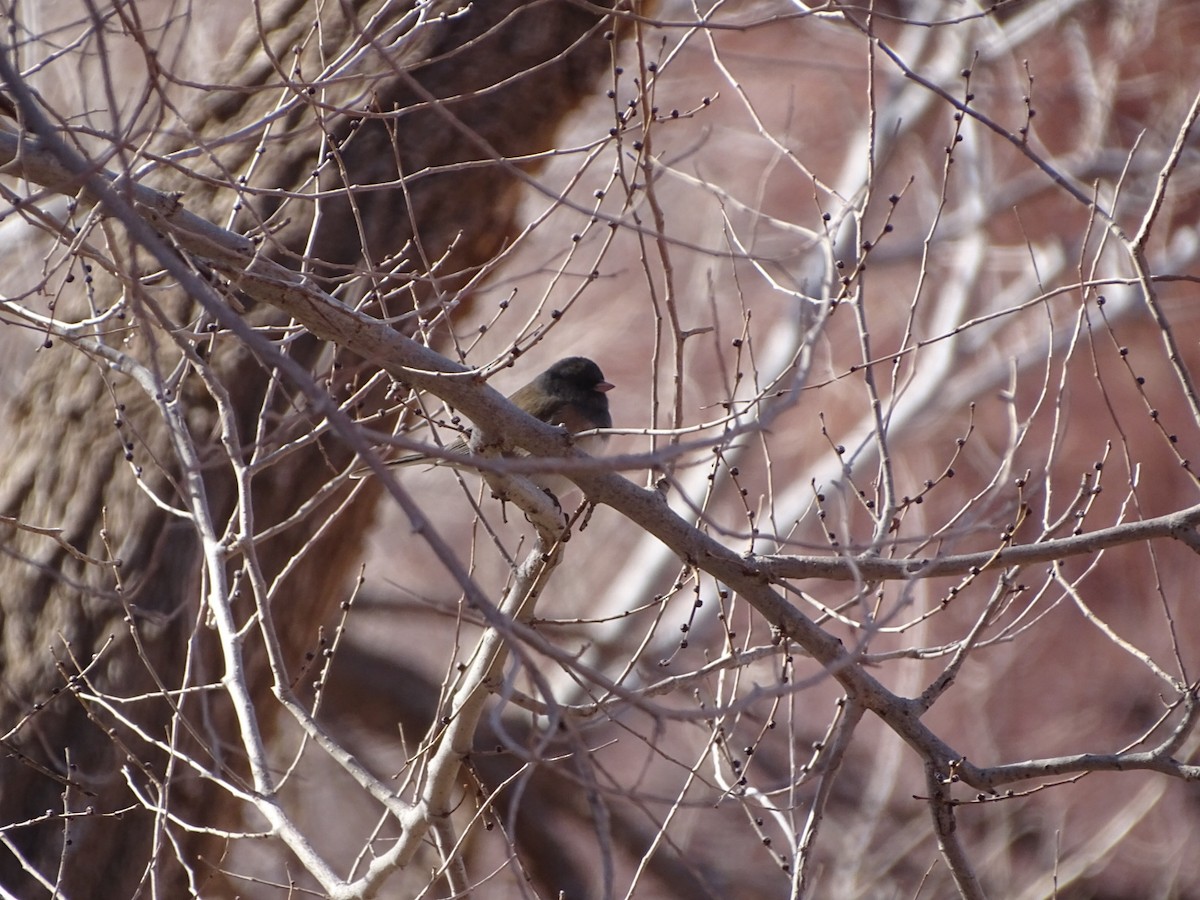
508, 73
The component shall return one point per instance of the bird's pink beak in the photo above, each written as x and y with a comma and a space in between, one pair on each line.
604, 387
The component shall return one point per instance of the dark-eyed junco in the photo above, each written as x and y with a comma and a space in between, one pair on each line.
571, 393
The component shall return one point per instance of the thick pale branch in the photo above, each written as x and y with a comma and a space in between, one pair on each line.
945, 826
1181, 525
417, 365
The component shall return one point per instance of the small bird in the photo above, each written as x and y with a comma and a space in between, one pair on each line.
571, 393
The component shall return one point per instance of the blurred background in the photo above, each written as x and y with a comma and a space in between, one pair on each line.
887, 327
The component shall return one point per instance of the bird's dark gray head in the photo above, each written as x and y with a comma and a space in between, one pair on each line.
576, 382
577, 373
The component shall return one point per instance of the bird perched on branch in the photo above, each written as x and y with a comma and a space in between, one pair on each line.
571, 393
